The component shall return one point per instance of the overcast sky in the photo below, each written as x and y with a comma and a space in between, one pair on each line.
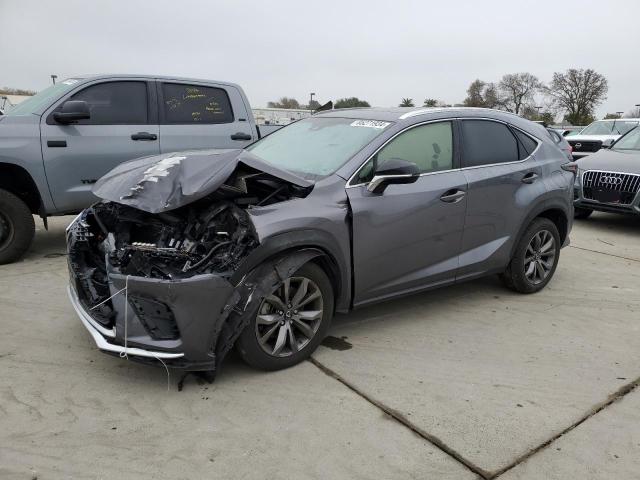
379, 51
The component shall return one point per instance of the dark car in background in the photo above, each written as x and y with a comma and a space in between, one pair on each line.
609, 180
190, 253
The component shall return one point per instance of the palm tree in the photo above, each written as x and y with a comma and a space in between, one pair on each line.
407, 102
430, 102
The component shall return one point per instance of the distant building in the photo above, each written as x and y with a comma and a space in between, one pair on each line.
279, 116
9, 101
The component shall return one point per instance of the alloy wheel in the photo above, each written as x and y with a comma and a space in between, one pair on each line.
6, 231
290, 317
540, 257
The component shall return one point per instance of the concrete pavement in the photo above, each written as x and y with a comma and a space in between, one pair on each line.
468, 381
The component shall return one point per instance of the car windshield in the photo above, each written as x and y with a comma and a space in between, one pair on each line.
631, 141
43, 98
617, 127
317, 146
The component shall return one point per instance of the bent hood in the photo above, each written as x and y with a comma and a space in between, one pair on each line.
165, 182
612, 160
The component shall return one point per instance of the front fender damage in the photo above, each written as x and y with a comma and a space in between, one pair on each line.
178, 268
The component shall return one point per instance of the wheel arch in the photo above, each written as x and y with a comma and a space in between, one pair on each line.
15, 179
328, 257
555, 212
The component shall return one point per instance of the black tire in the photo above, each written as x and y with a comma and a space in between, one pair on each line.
515, 276
582, 213
251, 351
17, 227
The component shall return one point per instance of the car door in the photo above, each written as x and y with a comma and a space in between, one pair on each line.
122, 126
499, 164
201, 116
408, 238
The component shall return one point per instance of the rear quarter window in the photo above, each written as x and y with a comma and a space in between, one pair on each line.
193, 104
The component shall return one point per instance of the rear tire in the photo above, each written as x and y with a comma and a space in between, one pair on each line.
582, 213
17, 227
274, 328
535, 258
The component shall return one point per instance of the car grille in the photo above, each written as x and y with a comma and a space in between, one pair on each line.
585, 146
624, 183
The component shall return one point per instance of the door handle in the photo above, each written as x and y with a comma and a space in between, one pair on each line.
529, 177
241, 136
144, 136
56, 143
453, 196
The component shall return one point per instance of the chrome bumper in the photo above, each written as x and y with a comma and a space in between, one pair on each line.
98, 332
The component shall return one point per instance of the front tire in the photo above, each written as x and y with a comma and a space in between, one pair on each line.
582, 213
535, 258
290, 322
17, 227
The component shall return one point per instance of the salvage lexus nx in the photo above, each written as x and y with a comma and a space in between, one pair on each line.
189, 254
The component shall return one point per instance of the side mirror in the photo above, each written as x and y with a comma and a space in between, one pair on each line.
608, 143
72, 110
394, 170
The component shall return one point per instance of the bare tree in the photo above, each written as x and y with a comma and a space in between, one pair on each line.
633, 113
578, 92
406, 102
284, 102
518, 90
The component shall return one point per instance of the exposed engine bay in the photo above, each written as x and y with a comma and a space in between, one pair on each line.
211, 235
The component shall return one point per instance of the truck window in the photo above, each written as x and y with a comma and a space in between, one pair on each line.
188, 104
115, 103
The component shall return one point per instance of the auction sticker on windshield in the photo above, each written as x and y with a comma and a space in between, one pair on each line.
369, 124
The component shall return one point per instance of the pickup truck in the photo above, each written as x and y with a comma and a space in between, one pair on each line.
55, 145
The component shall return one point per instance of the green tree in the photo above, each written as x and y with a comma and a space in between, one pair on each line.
430, 102
351, 102
482, 94
548, 118
406, 102
284, 102
578, 92
313, 105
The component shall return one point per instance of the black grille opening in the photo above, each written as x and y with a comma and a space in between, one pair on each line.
603, 186
585, 146
156, 317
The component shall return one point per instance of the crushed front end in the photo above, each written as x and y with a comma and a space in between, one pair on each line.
157, 286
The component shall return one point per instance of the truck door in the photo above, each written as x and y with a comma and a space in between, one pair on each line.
122, 126
201, 116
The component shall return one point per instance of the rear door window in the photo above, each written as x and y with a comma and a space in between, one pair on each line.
485, 142
193, 104
115, 103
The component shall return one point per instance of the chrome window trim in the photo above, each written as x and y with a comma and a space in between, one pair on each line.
452, 119
409, 127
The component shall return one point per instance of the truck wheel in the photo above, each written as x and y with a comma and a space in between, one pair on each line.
290, 323
535, 259
582, 213
17, 227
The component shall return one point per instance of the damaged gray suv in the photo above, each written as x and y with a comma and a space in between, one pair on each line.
192, 253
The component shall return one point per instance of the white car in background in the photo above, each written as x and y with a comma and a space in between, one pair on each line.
599, 133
